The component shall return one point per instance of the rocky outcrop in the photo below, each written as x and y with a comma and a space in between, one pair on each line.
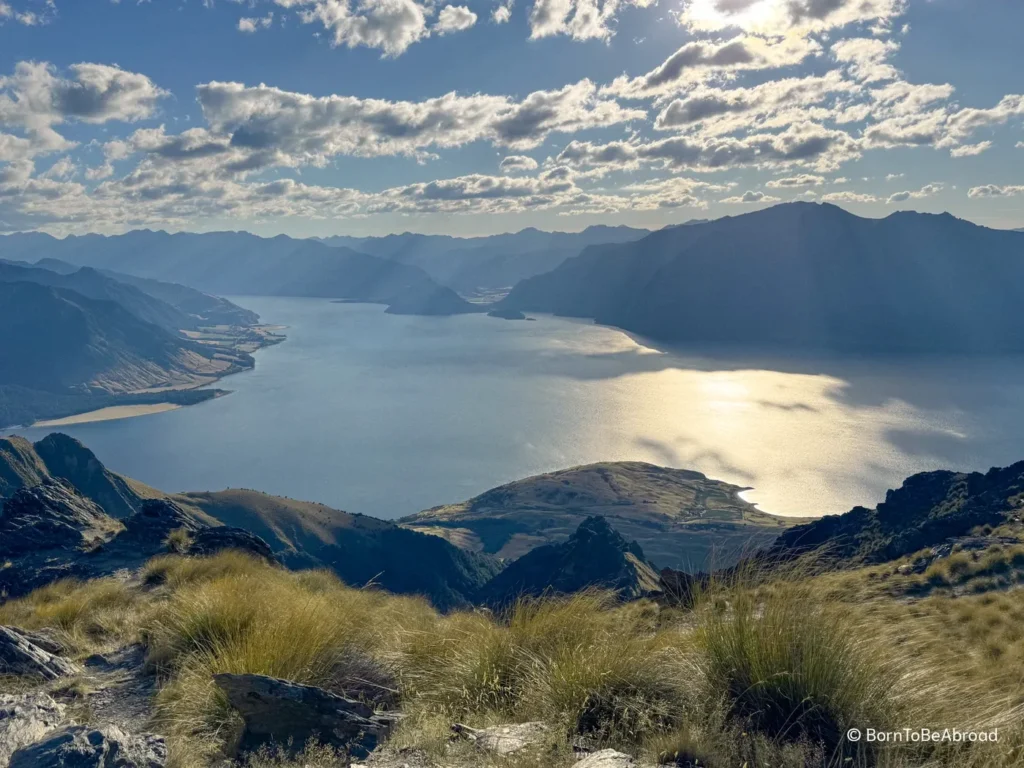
505, 740
594, 556
52, 515
151, 526
608, 758
20, 656
286, 714
78, 746
67, 459
20, 465
209, 541
24, 720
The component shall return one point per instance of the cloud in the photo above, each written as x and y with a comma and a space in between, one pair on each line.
751, 197
792, 17
791, 182
47, 12
993, 190
298, 129
774, 104
803, 143
866, 57
517, 163
249, 24
388, 25
970, 150
927, 190
454, 19
579, 19
846, 196
697, 61
502, 12
35, 100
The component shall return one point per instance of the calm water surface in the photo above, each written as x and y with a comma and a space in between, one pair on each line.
388, 415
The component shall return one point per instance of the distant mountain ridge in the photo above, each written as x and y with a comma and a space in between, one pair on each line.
238, 263
479, 265
803, 276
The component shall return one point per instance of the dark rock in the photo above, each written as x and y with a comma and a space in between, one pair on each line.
78, 746
52, 515
20, 656
209, 541
594, 556
67, 459
154, 522
286, 714
25, 719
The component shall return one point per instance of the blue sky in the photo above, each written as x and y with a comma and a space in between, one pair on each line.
315, 117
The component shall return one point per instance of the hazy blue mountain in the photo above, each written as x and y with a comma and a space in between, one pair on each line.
94, 285
58, 339
208, 309
233, 263
802, 276
483, 264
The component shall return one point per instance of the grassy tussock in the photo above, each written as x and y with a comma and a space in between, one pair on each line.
87, 614
755, 674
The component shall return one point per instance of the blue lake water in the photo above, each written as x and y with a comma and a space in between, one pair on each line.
387, 415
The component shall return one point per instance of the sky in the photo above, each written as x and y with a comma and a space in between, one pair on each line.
471, 117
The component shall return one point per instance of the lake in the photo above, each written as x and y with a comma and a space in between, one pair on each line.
388, 415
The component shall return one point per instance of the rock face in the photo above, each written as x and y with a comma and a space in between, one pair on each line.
67, 459
78, 746
209, 541
594, 556
52, 515
284, 713
25, 719
51, 531
20, 656
929, 509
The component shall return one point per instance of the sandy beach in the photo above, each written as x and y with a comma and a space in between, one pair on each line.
109, 414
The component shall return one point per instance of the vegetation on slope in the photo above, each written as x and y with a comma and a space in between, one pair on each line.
757, 673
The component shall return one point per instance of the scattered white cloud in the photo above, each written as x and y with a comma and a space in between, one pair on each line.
928, 190
970, 150
994, 190
847, 196
502, 13
750, 197
454, 18
866, 58
252, 24
787, 17
388, 25
579, 19
796, 182
517, 164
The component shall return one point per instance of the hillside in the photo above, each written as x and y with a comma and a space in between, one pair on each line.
234, 264
802, 276
56, 339
361, 550
680, 518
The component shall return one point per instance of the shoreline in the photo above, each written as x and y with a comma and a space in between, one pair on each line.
110, 413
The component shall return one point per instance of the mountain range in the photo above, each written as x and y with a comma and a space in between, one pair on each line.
801, 276
485, 265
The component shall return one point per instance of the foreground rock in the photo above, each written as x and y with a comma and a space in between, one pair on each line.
20, 656
608, 758
78, 746
51, 531
505, 740
286, 714
25, 719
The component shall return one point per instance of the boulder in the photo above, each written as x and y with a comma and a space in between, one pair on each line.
150, 526
79, 746
505, 740
209, 541
608, 758
20, 656
287, 714
25, 719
